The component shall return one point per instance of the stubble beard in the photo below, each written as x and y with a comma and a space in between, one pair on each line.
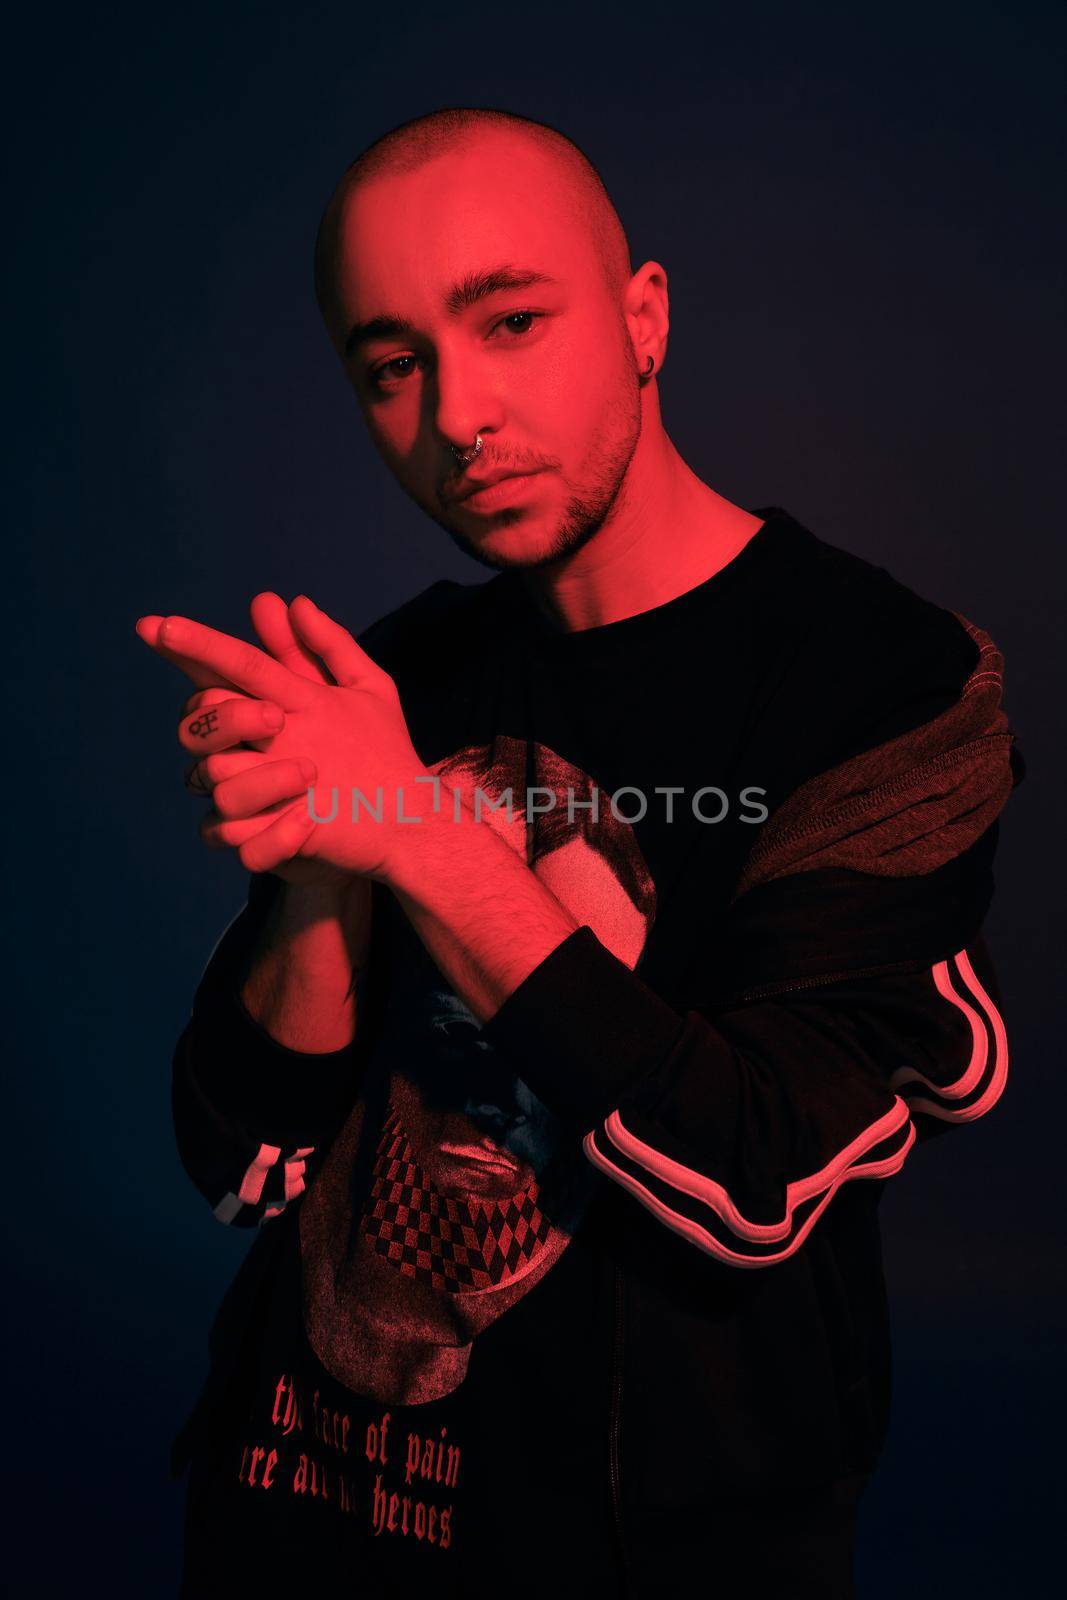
585, 513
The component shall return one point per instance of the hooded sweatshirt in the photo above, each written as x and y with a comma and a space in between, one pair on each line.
604, 1274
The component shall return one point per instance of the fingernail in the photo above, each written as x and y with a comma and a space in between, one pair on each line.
273, 717
307, 770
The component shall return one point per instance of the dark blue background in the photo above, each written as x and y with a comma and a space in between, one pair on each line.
860, 210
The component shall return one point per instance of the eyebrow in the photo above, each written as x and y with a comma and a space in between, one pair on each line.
463, 294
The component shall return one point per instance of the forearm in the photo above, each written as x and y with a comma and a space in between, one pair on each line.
483, 915
299, 982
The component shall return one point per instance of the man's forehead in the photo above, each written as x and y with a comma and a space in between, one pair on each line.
428, 230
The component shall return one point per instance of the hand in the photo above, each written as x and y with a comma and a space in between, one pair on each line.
279, 780
352, 730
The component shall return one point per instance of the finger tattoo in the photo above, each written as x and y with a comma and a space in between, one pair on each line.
204, 725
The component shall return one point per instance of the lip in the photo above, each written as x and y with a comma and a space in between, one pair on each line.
479, 1156
497, 489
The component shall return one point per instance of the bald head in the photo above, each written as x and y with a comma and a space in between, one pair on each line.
569, 178
475, 281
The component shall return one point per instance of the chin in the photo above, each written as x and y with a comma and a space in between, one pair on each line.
518, 545
509, 548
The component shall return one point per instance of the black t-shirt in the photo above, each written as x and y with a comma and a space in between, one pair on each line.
434, 1306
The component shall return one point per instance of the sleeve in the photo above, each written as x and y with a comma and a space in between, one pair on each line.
829, 1020
252, 1117
839, 1019
736, 1126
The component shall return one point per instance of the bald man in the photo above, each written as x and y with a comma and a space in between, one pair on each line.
525, 324
560, 1072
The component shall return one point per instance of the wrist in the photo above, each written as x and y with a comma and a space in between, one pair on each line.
415, 836
302, 904
298, 981
462, 879
432, 837
419, 816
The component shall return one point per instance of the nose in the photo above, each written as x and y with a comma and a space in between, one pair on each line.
494, 1118
465, 405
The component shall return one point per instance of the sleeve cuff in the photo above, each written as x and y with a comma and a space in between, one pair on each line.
583, 1029
251, 1077
243, 1069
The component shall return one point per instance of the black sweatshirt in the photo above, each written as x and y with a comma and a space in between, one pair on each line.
603, 1275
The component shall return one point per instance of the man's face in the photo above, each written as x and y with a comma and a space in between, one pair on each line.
475, 1128
546, 373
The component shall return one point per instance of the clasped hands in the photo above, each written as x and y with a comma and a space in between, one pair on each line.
316, 713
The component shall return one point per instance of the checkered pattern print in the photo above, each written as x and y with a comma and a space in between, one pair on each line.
454, 1244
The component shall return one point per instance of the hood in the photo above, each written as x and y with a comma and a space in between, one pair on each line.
883, 863
907, 806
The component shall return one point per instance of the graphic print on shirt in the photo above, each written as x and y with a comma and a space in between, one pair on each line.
392, 1473
440, 1209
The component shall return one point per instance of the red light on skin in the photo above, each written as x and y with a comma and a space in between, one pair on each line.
500, 494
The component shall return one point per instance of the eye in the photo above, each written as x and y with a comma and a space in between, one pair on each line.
511, 317
390, 368
456, 1029
374, 378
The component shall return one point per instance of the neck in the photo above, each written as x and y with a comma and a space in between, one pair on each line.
666, 533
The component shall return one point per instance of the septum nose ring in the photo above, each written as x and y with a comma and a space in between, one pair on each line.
465, 457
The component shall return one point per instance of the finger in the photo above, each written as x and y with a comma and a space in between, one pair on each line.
208, 697
248, 793
202, 776
195, 780
270, 618
280, 842
229, 833
351, 666
219, 727
235, 661
147, 628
